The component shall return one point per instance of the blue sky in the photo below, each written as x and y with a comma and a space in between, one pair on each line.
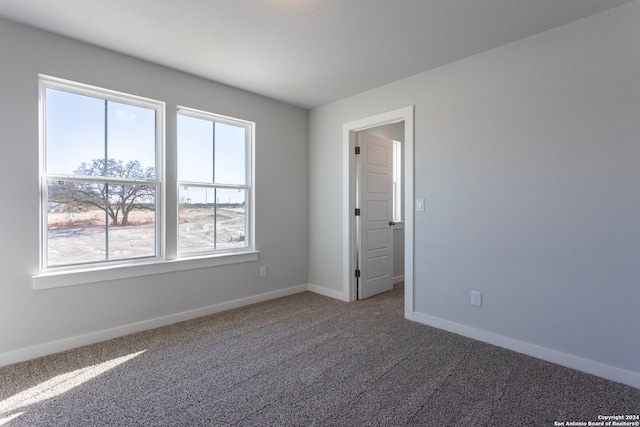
195, 151
75, 126
75, 133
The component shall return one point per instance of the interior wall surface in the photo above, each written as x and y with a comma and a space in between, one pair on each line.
527, 156
37, 321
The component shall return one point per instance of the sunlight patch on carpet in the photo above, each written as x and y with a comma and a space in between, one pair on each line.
5, 420
56, 386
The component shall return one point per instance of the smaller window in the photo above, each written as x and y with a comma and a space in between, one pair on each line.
214, 176
397, 181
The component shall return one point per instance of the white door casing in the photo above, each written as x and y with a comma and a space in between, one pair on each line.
375, 249
349, 133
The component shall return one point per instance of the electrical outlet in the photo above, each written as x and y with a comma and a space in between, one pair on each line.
476, 298
263, 271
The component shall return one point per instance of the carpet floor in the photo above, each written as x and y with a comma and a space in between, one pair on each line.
303, 360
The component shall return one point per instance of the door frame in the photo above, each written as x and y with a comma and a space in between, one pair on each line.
349, 199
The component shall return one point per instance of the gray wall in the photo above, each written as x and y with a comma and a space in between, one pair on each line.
528, 157
34, 322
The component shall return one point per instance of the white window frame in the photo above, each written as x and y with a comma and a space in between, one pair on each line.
248, 186
48, 82
166, 260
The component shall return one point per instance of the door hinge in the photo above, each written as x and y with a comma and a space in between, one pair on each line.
357, 273
357, 212
357, 150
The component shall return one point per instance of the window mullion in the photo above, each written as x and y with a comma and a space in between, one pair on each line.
106, 136
213, 152
215, 190
107, 206
215, 218
107, 200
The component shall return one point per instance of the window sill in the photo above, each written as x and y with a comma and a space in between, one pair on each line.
104, 274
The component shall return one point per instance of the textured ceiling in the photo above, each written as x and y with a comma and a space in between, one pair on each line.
305, 52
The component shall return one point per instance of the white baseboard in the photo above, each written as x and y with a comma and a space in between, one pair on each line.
570, 361
45, 349
328, 292
398, 279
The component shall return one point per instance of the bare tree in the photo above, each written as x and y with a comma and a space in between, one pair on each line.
116, 199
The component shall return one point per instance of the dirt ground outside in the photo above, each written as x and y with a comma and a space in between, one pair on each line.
81, 237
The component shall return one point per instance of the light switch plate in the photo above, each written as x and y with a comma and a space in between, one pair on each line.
419, 205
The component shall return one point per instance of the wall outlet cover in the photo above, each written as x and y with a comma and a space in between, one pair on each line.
476, 298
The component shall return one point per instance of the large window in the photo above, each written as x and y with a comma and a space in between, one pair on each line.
100, 175
214, 176
104, 193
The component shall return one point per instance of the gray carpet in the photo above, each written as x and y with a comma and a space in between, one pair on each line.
303, 360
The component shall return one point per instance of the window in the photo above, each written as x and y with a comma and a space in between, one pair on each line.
397, 181
100, 171
103, 188
214, 176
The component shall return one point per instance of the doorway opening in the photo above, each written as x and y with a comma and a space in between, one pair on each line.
394, 125
379, 237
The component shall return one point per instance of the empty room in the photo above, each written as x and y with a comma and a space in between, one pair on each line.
281, 212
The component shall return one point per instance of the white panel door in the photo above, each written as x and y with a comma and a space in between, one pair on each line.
376, 205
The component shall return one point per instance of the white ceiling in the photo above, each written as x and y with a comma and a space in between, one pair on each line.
305, 52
